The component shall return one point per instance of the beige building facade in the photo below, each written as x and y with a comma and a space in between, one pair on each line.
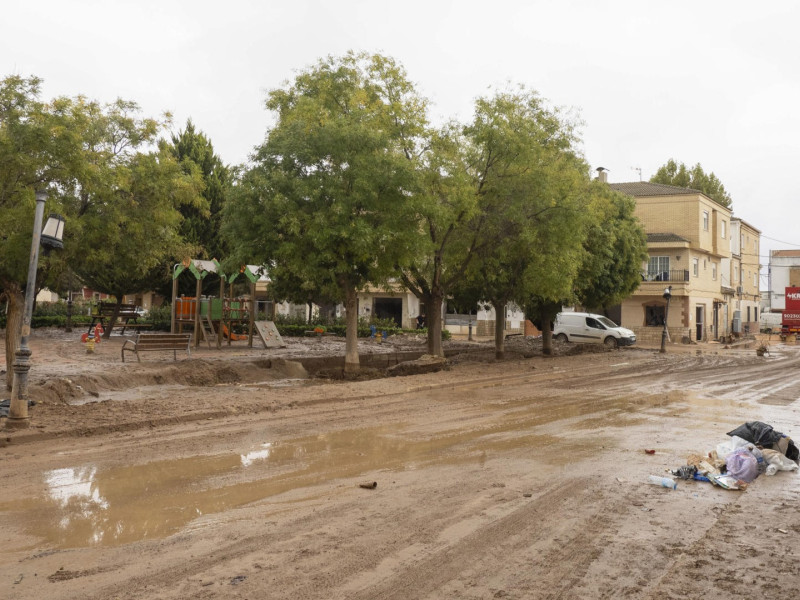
744, 277
689, 247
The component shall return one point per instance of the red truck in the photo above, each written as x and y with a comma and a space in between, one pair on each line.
790, 321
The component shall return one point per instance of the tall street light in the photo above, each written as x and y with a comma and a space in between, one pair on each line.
50, 237
666, 295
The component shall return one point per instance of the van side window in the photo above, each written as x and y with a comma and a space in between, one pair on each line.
593, 323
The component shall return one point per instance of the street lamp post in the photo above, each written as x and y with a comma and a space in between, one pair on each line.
51, 237
666, 295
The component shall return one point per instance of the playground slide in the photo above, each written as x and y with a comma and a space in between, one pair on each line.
234, 336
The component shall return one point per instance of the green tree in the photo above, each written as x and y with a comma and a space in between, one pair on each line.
615, 248
327, 204
448, 222
531, 185
201, 223
130, 232
126, 201
39, 149
695, 178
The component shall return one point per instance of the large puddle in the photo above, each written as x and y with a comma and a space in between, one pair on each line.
89, 506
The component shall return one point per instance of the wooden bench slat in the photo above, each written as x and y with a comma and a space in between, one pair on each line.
158, 341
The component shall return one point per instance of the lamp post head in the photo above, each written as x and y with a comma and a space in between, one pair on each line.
53, 232
667, 293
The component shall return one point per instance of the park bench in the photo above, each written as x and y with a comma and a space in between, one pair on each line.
150, 342
127, 317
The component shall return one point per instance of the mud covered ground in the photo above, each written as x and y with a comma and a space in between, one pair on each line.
237, 474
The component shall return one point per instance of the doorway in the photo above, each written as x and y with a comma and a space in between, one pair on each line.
389, 308
700, 313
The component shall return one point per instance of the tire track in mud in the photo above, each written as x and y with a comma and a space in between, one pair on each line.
517, 547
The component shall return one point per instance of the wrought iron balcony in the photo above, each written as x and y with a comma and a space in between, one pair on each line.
671, 275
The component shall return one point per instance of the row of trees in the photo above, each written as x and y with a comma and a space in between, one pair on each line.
352, 185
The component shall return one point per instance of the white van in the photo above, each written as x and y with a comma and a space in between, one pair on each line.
590, 328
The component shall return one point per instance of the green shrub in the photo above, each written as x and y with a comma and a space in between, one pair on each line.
160, 317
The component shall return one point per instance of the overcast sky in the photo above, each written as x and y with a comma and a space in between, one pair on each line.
711, 82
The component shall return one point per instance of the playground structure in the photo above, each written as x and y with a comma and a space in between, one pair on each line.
213, 318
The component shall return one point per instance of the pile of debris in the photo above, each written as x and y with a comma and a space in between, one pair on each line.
754, 448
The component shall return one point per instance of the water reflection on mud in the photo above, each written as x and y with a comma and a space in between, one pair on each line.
86, 505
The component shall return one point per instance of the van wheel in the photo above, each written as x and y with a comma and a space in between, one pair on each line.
610, 342
562, 337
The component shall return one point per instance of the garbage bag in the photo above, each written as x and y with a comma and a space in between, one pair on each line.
765, 436
742, 465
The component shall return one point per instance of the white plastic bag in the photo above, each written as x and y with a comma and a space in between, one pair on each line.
783, 463
729, 445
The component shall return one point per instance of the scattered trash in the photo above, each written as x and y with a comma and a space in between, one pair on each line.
752, 449
527, 495
649, 451
685, 472
368, 485
782, 531
620, 479
663, 482
764, 436
238, 579
726, 482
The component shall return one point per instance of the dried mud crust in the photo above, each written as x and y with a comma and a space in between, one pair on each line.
92, 394
67, 383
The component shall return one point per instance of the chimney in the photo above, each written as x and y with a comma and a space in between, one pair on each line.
602, 174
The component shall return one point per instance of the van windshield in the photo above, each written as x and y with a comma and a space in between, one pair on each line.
607, 322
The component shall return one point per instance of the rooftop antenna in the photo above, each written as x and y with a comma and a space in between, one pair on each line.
639, 170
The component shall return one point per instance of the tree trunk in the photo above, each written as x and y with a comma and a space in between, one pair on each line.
16, 308
547, 336
433, 319
499, 331
351, 363
113, 320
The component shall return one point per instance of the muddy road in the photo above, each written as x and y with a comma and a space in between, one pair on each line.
237, 476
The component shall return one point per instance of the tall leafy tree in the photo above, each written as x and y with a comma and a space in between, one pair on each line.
126, 199
130, 231
328, 202
448, 221
530, 183
39, 150
537, 205
678, 174
201, 223
615, 248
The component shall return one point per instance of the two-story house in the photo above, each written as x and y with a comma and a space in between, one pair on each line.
688, 242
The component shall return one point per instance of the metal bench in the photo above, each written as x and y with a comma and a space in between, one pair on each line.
149, 342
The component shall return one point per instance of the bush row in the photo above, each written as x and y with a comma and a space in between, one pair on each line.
159, 317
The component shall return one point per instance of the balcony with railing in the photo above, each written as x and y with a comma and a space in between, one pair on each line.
672, 275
